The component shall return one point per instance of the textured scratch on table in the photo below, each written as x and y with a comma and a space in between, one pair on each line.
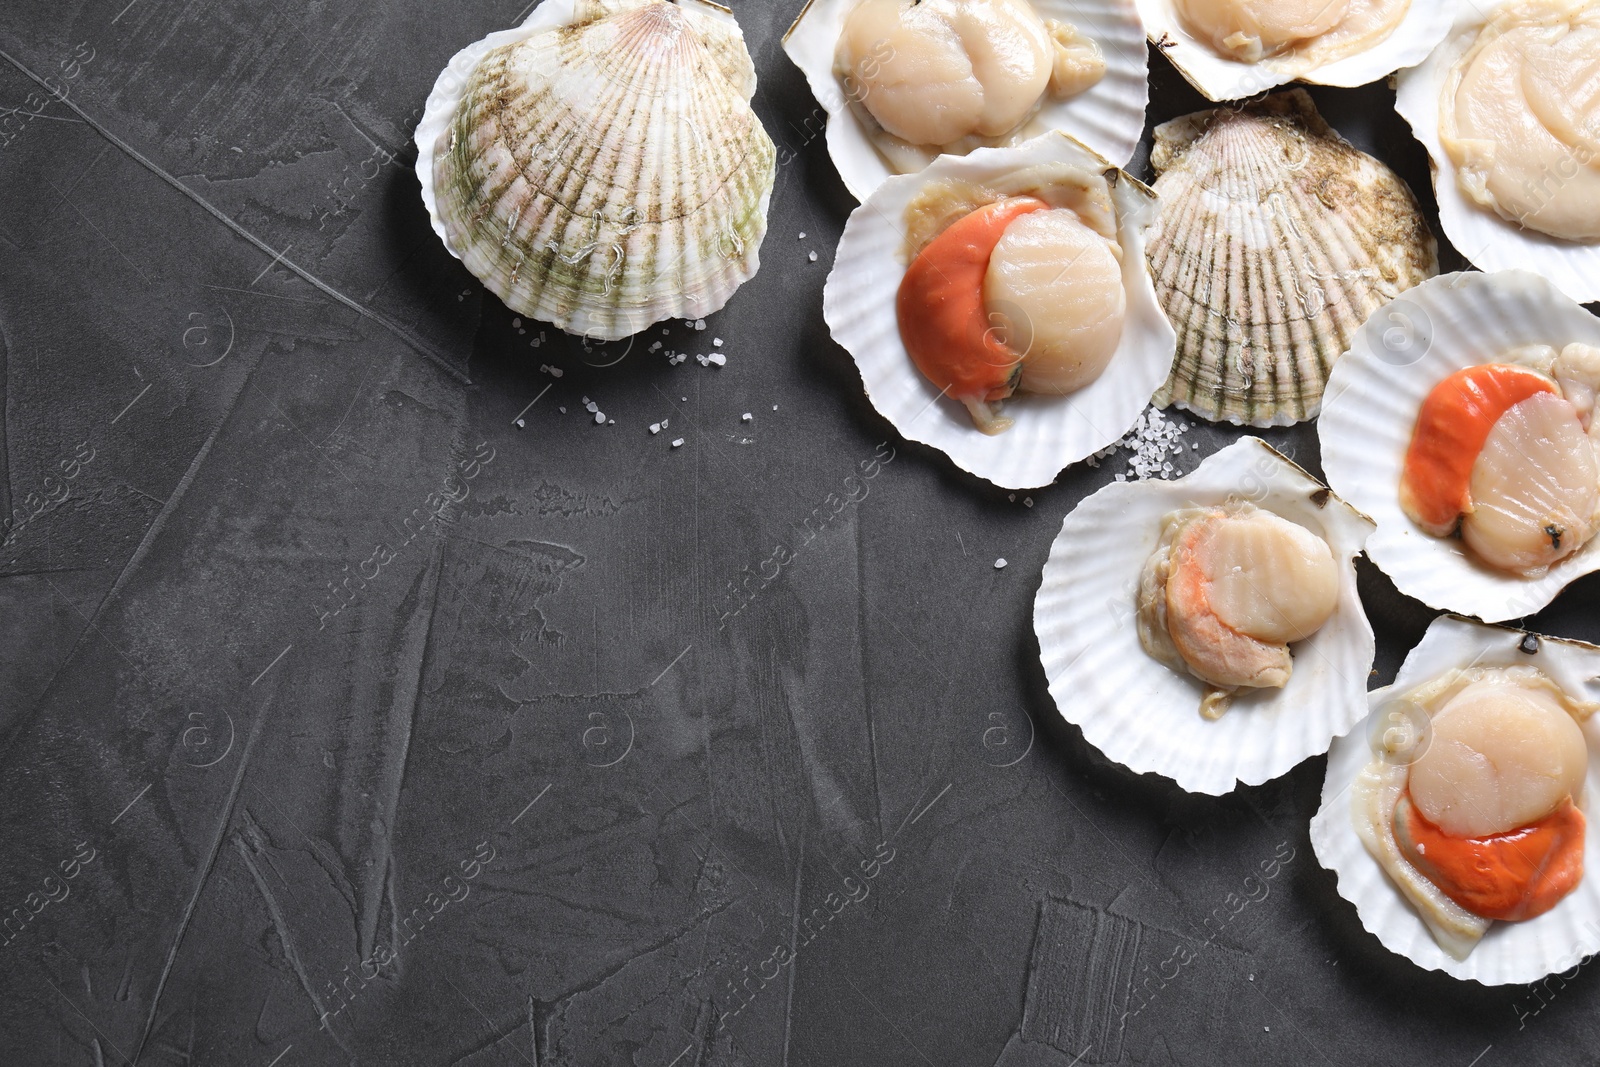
416, 344
794, 944
205, 872
863, 667
248, 842
140, 552
407, 696
1079, 978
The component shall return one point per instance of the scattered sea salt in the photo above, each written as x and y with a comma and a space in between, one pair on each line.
1028, 500
677, 442
516, 322
1000, 564
812, 257
699, 324
599, 418
715, 359
562, 410
655, 427
746, 416
590, 406
1154, 439
717, 341
774, 407
655, 346
802, 235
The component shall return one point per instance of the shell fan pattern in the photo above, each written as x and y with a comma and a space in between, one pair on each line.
1275, 240
609, 173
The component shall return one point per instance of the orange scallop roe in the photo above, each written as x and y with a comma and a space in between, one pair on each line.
1452, 426
943, 321
1510, 876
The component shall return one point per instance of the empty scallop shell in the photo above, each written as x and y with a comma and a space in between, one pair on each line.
1108, 117
1049, 432
1424, 24
1142, 713
1487, 240
1274, 241
599, 167
1511, 952
1409, 345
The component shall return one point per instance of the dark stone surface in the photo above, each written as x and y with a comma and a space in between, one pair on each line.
529, 797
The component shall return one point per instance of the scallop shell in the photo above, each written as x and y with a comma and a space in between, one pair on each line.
1108, 117
1145, 715
1409, 345
1425, 23
1274, 241
599, 167
1487, 240
1049, 432
1511, 952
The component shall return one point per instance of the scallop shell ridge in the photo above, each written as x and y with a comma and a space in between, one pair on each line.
610, 173
1276, 240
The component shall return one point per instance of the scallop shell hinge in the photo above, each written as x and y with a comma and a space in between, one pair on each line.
609, 173
1275, 240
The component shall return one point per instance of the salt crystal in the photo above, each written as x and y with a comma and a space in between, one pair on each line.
1011, 497
665, 423
562, 410
802, 235
655, 346
684, 399
717, 359
717, 341
699, 324
677, 442
599, 418
774, 407
611, 422
1028, 500
556, 372
590, 406
655, 427
516, 321
812, 257
746, 416
1000, 564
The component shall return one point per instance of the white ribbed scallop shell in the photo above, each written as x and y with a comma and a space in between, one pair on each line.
1145, 715
1407, 347
1108, 117
1049, 432
600, 167
1511, 952
1274, 241
1424, 24
1487, 240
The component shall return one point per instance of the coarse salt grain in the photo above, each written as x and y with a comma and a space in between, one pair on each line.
812, 257
1000, 564
655, 427
599, 418
746, 416
677, 442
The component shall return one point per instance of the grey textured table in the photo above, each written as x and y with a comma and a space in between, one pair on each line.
359, 704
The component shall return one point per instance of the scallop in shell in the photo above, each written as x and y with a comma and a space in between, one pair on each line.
1047, 432
1146, 711
1107, 116
1487, 233
1327, 42
1396, 733
600, 167
1274, 241
1375, 394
